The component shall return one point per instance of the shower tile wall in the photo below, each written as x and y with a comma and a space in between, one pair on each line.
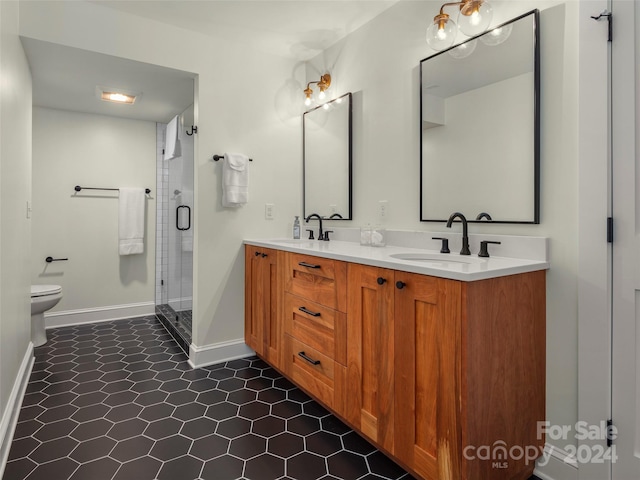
162, 243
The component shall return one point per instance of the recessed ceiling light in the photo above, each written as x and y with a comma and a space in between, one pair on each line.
118, 97
116, 94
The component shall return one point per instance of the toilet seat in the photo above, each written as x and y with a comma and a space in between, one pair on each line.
45, 290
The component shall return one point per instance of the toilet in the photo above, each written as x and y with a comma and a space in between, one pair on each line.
43, 298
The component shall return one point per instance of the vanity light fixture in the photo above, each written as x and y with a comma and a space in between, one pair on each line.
323, 84
474, 18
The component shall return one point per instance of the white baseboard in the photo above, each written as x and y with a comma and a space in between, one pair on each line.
12, 410
99, 314
556, 464
218, 353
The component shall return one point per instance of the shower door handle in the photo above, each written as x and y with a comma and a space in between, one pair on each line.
178, 218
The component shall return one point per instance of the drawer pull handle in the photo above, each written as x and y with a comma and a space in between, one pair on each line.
309, 312
308, 265
309, 359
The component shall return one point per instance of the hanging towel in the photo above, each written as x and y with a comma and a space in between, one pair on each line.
131, 221
187, 235
235, 180
172, 142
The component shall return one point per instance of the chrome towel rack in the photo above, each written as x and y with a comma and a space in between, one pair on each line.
77, 188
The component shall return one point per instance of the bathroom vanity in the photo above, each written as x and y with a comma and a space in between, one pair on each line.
439, 361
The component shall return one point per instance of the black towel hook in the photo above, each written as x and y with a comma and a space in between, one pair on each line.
193, 130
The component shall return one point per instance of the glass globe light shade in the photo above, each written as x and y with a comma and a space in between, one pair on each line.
475, 17
441, 33
464, 49
497, 35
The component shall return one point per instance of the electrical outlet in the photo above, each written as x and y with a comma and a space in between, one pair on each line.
268, 211
29, 210
383, 207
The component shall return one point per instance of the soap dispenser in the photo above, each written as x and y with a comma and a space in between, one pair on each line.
296, 228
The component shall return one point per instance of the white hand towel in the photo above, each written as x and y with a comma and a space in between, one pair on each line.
235, 180
172, 142
131, 221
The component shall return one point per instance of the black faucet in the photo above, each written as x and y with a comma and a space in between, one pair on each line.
315, 215
484, 215
465, 234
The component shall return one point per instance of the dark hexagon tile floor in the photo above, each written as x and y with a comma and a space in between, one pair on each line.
118, 401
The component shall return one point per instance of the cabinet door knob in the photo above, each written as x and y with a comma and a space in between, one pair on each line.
381, 280
400, 285
257, 254
264, 255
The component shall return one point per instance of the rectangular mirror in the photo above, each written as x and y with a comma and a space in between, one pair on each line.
327, 158
480, 127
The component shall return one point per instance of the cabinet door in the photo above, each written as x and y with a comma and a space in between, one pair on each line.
262, 288
427, 375
370, 353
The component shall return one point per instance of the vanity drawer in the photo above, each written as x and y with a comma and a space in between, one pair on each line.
316, 373
321, 280
320, 327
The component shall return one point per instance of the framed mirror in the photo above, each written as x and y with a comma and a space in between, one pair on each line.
327, 160
480, 126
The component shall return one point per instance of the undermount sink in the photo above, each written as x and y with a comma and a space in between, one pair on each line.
435, 258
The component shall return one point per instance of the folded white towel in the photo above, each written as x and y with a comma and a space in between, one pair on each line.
131, 221
172, 141
235, 180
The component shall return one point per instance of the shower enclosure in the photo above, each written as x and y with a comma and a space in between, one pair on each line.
174, 262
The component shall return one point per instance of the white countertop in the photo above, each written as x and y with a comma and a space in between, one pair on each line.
451, 266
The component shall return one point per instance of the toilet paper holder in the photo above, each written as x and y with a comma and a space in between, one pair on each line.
51, 259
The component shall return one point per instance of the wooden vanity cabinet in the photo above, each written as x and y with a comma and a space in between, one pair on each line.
263, 291
371, 352
314, 318
428, 369
435, 366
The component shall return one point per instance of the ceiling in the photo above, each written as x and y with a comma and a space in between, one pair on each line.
297, 29
66, 78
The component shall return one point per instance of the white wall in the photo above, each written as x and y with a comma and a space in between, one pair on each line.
92, 151
491, 161
242, 105
380, 64
15, 228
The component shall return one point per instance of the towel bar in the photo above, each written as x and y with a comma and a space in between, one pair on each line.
221, 157
77, 188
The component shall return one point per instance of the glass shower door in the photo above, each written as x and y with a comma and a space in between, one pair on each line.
176, 221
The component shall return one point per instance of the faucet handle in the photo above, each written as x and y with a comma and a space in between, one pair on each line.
326, 235
310, 234
484, 252
445, 244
